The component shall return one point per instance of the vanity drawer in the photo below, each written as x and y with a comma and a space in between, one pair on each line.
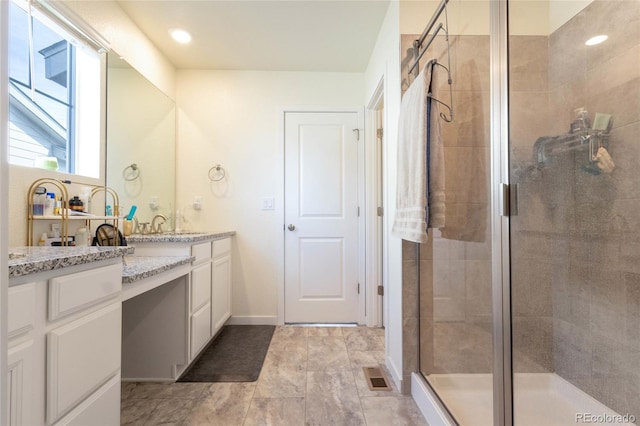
75, 292
201, 252
221, 247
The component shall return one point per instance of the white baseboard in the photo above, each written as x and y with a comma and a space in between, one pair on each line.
395, 375
428, 403
253, 320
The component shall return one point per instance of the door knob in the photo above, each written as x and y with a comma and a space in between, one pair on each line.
291, 227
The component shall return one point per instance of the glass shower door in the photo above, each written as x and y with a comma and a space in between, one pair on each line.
455, 265
574, 121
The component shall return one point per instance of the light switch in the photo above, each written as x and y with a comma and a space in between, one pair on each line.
197, 202
268, 203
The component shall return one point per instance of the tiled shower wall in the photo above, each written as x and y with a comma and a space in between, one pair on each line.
576, 240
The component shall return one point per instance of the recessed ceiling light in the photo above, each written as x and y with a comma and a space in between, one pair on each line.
596, 40
181, 36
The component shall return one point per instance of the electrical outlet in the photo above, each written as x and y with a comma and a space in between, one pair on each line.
153, 203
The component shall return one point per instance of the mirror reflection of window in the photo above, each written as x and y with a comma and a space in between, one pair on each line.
54, 87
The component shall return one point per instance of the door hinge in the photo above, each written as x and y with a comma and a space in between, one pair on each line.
380, 132
357, 134
380, 290
380, 211
358, 211
358, 288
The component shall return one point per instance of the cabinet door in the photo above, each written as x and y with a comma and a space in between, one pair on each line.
200, 329
20, 359
221, 292
81, 356
21, 313
101, 408
200, 286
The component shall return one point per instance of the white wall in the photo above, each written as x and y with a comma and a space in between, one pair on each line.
385, 63
466, 17
108, 18
232, 118
561, 11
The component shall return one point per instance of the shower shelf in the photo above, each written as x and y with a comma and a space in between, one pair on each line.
548, 146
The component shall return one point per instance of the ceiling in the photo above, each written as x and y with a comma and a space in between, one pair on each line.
289, 35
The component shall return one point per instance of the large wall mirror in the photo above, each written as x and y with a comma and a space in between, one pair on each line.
141, 123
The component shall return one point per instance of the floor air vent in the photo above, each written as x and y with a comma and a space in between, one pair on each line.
376, 379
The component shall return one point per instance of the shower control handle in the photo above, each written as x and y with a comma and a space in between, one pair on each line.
291, 227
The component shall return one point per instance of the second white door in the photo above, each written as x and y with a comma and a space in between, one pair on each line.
321, 217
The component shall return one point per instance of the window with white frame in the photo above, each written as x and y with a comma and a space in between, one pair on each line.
54, 95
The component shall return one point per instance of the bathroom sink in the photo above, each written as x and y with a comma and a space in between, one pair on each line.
167, 234
16, 255
179, 233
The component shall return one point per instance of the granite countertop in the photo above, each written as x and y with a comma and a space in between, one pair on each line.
178, 237
136, 268
31, 260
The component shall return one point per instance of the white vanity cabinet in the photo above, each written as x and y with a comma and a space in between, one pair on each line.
209, 300
64, 346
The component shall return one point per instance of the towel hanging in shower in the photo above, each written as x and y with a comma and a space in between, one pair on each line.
420, 187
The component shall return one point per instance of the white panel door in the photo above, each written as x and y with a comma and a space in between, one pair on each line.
321, 217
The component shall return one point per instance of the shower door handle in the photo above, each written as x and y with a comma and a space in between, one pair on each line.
509, 199
513, 199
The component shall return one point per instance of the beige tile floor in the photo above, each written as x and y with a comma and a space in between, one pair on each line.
311, 376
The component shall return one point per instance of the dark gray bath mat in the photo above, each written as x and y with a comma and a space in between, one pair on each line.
236, 355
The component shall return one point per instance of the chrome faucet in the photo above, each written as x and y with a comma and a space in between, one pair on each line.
136, 226
157, 229
143, 228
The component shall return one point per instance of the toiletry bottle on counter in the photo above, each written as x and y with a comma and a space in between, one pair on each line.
76, 204
57, 209
49, 204
81, 237
38, 204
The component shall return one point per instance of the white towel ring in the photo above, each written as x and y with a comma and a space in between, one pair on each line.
216, 173
131, 172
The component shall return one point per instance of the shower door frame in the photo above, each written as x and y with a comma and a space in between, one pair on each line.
501, 207
427, 399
